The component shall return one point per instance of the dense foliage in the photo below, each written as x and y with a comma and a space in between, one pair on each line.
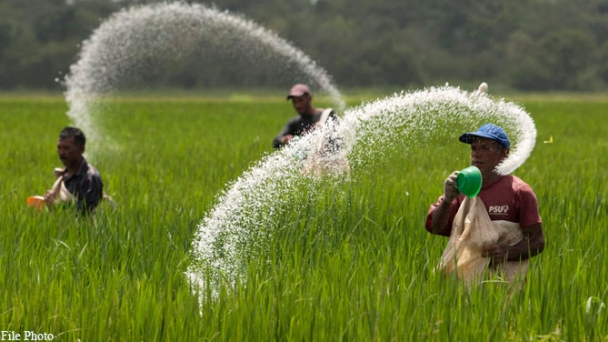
521, 44
348, 262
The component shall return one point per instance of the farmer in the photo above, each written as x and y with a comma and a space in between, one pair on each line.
506, 199
79, 182
308, 116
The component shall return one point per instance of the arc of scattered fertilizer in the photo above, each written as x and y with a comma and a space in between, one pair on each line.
321, 122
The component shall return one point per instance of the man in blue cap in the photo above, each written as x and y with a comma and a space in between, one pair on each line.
506, 198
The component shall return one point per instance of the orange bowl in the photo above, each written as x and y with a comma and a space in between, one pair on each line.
36, 202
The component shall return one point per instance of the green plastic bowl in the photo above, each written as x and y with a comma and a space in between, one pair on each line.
469, 181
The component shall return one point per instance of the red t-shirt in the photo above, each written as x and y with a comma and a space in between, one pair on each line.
509, 199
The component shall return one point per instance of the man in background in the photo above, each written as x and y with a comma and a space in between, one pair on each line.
79, 182
308, 116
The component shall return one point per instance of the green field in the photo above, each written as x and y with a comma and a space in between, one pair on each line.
354, 264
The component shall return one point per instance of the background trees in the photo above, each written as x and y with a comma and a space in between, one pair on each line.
522, 44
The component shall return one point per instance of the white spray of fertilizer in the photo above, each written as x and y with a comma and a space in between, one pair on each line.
230, 233
135, 43
133, 46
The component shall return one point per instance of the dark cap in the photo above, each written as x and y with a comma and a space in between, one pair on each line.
488, 131
298, 90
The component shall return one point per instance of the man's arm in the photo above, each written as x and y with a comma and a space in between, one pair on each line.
440, 217
50, 197
285, 136
532, 244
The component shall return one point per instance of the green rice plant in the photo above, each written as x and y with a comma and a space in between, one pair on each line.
346, 259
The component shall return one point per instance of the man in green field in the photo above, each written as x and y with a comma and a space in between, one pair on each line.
79, 182
506, 206
308, 117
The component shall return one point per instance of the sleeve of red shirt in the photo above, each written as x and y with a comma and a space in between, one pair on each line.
445, 231
528, 207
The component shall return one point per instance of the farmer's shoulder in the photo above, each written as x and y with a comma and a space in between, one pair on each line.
92, 173
519, 185
294, 121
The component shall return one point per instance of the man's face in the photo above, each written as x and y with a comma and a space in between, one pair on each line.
486, 154
301, 104
69, 151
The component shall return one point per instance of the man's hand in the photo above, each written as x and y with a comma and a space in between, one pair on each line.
496, 253
532, 244
50, 197
286, 139
439, 221
450, 188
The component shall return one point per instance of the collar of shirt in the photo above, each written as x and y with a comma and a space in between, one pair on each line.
81, 171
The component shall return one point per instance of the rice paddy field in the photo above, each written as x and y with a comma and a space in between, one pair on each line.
355, 264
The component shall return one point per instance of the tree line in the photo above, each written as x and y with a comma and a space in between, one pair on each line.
540, 45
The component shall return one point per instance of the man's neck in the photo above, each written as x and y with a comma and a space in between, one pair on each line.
312, 111
73, 169
490, 179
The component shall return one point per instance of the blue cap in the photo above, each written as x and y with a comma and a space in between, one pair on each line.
488, 131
